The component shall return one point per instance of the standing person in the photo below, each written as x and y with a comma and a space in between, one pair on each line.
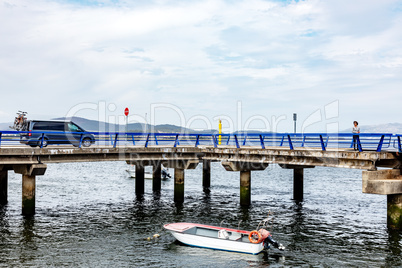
355, 130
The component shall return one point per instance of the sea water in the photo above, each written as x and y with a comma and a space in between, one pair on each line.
87, 215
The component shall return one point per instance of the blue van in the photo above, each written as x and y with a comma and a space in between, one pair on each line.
55, 132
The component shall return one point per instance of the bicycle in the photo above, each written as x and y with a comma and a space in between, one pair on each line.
20, 121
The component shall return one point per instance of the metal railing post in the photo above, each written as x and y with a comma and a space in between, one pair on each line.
322, 143
214, 140
236, 141
156, 140
197, 141
283, 137
399, 144
146, 142
304, 140
380, 144
176, 140
41, 140
262, 142
79, 146
290, 143
115, 140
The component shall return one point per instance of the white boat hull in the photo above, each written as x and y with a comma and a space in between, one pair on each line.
235, 242
219, 244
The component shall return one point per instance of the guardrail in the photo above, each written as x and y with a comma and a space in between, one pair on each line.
397, 142
363, 141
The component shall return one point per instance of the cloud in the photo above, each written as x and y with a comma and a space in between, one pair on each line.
277, 57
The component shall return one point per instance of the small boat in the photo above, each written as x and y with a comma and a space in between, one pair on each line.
148, 175
219, 238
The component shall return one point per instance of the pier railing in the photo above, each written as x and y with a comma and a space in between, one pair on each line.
323, 141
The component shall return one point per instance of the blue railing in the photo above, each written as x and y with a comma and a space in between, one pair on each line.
323, 141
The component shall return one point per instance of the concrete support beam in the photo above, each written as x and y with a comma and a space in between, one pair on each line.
30, 170
386, 182
28, 195
243, 166
245, 188
178, 185
182, 164
298, 178
156, 178
139, 180
206, 173
3, 187
394, 211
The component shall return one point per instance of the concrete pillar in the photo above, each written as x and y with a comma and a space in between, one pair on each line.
156, 178
298, 174
139, 180
28, 195
394, 211
178, 185
245, 188
3, 186
206, 173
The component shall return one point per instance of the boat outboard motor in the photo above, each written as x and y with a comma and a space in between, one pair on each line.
271, 241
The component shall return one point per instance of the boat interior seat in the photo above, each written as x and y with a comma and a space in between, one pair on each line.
235, 236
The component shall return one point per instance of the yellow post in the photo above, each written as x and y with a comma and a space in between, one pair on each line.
220, 132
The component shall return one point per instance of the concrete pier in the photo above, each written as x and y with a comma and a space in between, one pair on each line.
3, 187
31, 162
29, 173
245, 188
28, 195
298, 178
156, 178
245, 169
394, 211
386, 182
206, 174
178, 185
139, 180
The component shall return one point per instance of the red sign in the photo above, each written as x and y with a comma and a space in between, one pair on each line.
126, 112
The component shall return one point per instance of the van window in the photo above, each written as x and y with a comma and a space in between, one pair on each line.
56, 126
40, 126
48, 126
73, 128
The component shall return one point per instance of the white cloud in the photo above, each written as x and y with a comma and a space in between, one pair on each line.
203, 56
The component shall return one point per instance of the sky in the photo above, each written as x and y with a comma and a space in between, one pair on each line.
252, 64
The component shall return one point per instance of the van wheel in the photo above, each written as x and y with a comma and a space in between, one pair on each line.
45, 142
86, 142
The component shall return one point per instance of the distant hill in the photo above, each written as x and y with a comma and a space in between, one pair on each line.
95, 126
394, 128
